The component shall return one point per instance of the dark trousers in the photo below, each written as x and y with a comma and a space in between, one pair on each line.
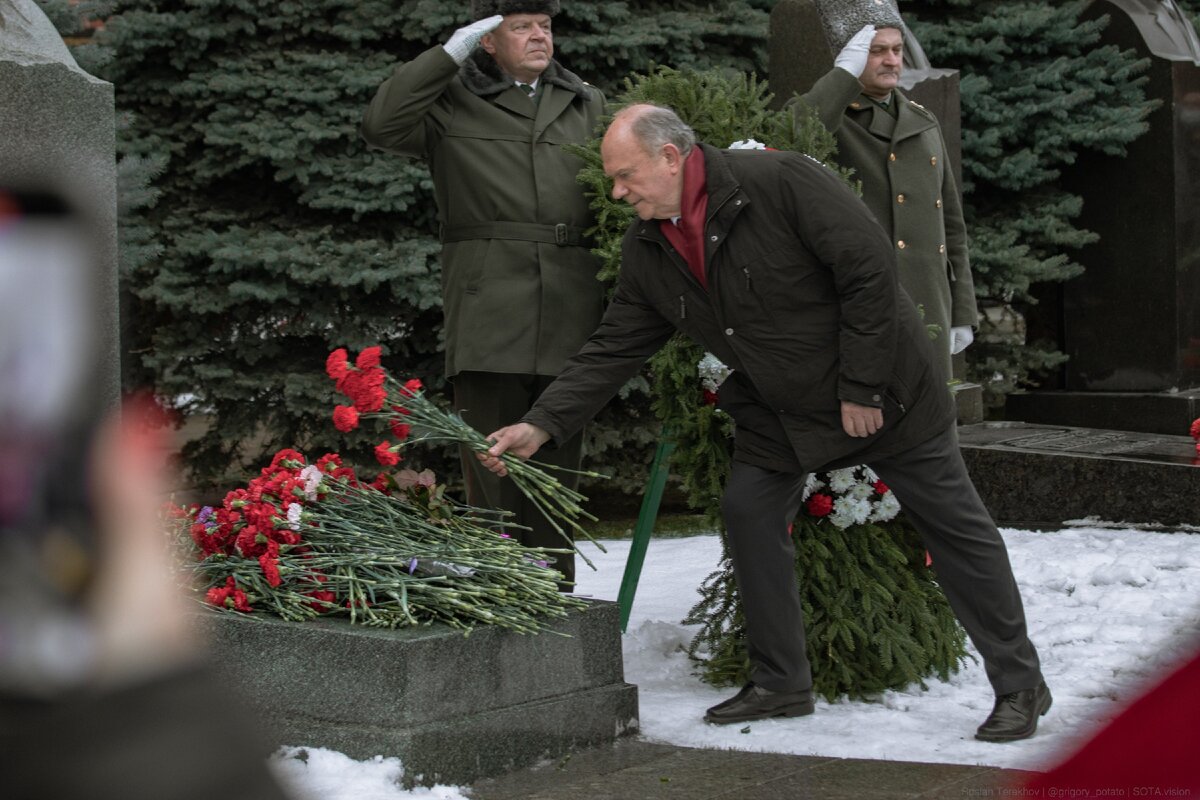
973, 569
488, 401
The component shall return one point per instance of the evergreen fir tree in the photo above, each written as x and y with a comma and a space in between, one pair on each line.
283, 237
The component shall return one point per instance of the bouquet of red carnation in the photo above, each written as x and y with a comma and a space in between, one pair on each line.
303, 540
412, 417
1195, 432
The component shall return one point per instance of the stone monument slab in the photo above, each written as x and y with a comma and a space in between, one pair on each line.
1043, 475
1131, 322
452, 708
58, 134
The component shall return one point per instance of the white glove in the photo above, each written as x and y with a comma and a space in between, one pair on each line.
960, 339
853, 57
464, 40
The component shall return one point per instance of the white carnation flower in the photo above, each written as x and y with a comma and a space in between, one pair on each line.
747, 144
311, 476
293, 516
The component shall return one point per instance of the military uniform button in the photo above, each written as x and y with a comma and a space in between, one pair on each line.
900, 199
891, 156
729, 331
901, 244
938, 204
875, 397
941, 248
933, 160
714, 237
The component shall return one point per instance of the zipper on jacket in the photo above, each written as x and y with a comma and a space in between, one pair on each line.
896, 400
682, 307
747, 271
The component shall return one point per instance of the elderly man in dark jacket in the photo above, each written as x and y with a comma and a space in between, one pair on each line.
771, 263
490, 111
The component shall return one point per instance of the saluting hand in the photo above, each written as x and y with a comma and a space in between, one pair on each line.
463, 41
853, 57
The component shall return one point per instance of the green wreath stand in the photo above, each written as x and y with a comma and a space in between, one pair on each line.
875, 617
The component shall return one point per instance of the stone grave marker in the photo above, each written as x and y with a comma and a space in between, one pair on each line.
58, 133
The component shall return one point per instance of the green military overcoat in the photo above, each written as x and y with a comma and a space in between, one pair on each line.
519, 288
908, 184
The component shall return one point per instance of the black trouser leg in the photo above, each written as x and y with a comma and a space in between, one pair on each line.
758, 505
970, 558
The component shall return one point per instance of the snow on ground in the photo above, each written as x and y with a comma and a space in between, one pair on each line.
1109, 610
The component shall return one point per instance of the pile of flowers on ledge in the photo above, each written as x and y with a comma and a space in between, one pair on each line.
303, 540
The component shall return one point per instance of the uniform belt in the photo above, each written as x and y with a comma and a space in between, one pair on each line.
561, 234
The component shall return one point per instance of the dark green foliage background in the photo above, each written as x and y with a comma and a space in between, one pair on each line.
282, 236
258, 232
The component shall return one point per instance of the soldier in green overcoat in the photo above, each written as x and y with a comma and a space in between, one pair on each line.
489, 112
897, 150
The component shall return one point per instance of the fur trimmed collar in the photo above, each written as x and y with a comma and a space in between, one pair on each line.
484, 77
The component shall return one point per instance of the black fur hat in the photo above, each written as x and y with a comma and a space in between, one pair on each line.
481, 9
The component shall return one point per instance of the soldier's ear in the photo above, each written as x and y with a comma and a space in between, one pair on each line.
488, 43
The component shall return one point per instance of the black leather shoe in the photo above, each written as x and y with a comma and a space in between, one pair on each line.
754, 702
1015, 715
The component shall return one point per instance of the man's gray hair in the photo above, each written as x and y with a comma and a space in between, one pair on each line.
656, 126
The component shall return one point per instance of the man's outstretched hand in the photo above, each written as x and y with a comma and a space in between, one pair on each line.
522, 440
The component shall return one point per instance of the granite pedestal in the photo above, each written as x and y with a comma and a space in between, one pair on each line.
452, 708
1039, 476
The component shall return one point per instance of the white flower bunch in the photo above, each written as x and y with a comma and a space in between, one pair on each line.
712, 372
851, 496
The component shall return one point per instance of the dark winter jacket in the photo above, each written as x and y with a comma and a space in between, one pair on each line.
519, 288
802, 303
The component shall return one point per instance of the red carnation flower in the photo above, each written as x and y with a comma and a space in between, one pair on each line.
385, 455
819, 505
323, 599
368, 358
1195, 430
345, 418
881, 488
411, 387
401, 430
269, 561
337, 364
221, 596
347, 474
710, 398
280, 459
324, 462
